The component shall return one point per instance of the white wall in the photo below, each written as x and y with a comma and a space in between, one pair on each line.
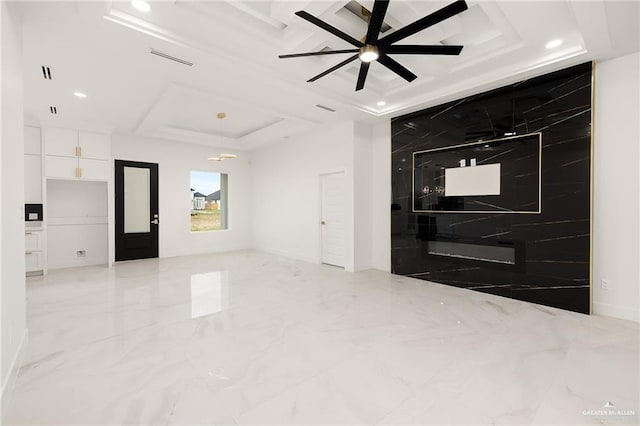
76, 220
286, 188
175, 162
381, 199
362, 196
616, 216
12, 267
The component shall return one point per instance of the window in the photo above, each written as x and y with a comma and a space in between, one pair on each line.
208, 201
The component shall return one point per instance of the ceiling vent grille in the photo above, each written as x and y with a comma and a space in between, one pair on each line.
326, 108
54, 110
171, 58
46, 72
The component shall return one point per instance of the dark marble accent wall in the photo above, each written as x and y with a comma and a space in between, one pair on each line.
532, 240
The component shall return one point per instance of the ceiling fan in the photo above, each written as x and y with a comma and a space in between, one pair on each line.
372, 48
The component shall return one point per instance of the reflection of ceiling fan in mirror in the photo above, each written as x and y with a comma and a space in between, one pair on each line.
373, 48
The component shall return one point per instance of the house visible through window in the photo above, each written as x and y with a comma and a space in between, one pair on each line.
208, 201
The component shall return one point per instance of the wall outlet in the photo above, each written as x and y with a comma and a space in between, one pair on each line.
604, 284
81, 253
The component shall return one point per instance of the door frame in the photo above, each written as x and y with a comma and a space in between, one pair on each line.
118, 225
320, 206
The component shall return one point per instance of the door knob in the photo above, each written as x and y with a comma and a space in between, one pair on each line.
323, 222
154, 221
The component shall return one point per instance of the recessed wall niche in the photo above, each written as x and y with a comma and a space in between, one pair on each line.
492, 192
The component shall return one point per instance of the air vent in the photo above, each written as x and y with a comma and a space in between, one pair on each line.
326, 108
46, 72
171, 58
54, 110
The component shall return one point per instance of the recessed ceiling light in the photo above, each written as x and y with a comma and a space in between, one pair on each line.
141, 5
381, 103
79, 95
553, 44
227, 156
221, 115
214, 159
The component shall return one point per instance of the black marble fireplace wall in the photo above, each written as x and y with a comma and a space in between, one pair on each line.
516, 220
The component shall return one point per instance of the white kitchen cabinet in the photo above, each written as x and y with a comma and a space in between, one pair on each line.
61, 142
60, 167
33, 240
34, 251
32, 165
94, 145
93, 169
32, 143
32, 179
72, 154
33, 194
33, 261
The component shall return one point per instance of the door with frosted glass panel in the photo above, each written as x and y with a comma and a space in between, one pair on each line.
137, 221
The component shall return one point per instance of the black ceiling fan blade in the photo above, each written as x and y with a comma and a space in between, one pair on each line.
330, 28
397, 68
377, 19
333, 68
362, 75
429, 20
322, 52
412, 49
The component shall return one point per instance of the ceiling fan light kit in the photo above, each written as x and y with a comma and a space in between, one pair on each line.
368, 53
374, 48
223, 157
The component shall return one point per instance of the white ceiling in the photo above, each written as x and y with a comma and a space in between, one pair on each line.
102, 49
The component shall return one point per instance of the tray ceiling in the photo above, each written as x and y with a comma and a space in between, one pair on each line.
103, 49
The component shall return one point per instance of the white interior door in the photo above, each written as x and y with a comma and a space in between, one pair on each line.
333, 219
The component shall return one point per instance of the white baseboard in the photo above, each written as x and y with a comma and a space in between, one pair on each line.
283, 253
199, 251
615, 311
362, 267
10, 380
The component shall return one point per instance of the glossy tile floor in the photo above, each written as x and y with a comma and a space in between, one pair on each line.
251, 338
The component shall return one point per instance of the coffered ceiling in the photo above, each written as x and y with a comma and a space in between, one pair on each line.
228, 61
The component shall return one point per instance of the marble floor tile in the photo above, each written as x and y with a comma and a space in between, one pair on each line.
253, 338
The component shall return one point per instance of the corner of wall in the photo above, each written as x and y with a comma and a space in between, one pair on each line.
616, 188
12, 261
16, 363
616, 311
287, 174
